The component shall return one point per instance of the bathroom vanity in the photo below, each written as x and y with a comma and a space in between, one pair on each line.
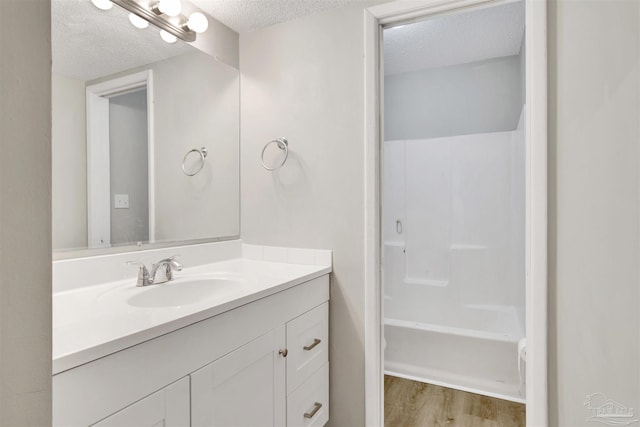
240, 336
245, 344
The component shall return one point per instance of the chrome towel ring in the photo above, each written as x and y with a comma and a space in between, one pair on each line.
282, 144
202, 152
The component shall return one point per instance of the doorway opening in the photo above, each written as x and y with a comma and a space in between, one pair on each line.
456, 201
453, 200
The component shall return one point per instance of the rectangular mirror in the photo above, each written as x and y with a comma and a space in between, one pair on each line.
145, 138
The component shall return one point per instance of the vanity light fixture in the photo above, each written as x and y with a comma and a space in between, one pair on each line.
168, 7
138, 22
168, 37
198, 22
102, 4
164, 14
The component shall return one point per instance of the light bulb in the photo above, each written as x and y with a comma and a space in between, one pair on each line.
170, 7
138, 22
198, 22
102, 4
168, 37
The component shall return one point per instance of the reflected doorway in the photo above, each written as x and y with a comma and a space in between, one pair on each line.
120, 188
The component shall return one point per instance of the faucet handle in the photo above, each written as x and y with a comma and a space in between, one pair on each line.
143, 276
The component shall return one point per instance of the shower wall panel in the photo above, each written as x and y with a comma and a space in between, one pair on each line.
460, 203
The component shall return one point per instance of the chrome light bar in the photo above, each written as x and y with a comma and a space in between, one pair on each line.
153, 16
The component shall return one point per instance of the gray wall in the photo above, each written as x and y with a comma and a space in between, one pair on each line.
198, 108
479, 97
129, 161
25, 213
594, 113
69, 162
522, 59
303, 81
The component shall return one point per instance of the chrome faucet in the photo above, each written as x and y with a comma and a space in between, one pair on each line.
161, 272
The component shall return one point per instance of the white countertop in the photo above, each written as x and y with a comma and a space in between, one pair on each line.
94, 321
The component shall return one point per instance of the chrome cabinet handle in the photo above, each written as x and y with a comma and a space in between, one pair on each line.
316, 341
316, 408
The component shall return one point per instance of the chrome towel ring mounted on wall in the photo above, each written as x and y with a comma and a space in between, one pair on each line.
202, 152
282, 144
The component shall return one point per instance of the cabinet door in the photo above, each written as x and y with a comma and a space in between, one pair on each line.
245, 388
168, 407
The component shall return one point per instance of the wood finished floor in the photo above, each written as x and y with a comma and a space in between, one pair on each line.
414, 404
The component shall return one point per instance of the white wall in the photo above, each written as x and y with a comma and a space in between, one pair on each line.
518, 219
594, 111
69, 163
304, 80
25, 213
128, 155
463, 99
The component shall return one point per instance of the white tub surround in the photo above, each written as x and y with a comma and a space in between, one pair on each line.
454, 260
117, 341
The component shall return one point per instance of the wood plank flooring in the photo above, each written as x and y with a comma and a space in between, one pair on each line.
414, 404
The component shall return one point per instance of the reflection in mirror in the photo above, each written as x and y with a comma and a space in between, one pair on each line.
119, 140
127, 107
128, 154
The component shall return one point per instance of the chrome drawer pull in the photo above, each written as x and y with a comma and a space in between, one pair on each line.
316, 341
316, 408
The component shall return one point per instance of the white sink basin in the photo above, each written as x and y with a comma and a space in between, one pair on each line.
184, 291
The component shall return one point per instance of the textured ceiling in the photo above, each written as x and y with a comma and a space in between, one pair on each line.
88, 42
458, 38
248, 15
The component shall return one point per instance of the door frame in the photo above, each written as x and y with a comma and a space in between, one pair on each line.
536, 197
98, 165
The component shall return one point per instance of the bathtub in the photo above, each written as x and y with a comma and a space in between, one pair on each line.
482, 359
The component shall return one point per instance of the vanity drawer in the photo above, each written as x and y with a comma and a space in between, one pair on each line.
307, 345
309, 405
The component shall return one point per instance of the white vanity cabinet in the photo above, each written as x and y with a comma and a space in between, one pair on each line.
243, 388
278, 379
264, 363
168, 407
